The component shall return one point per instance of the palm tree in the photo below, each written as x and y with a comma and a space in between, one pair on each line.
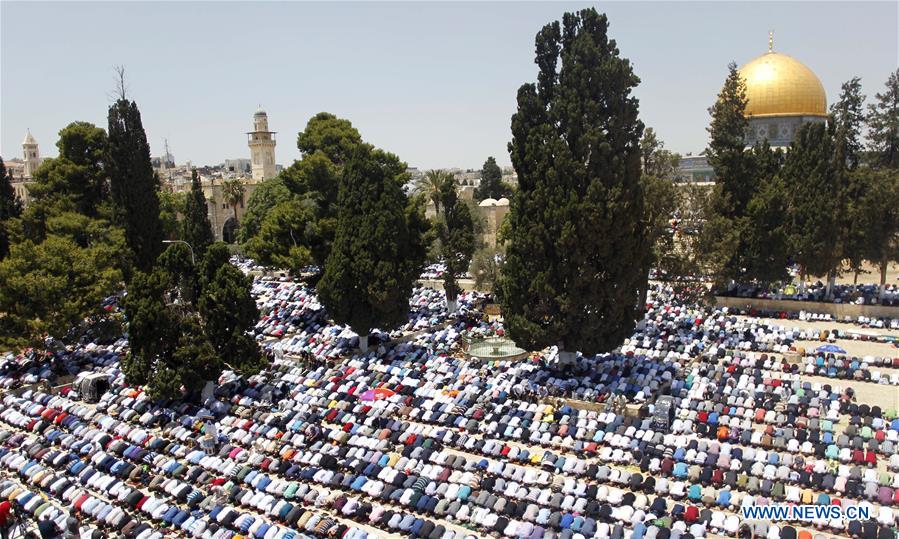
429, 186
233, 191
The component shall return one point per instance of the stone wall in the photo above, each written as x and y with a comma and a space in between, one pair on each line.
837, 310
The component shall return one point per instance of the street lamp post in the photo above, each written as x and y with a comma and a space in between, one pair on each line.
193, 260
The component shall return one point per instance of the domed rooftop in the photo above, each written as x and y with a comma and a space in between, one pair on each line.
487, 202
780, 85
502, 202
259, 112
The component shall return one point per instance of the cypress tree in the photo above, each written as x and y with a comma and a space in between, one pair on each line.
883, 125
455, 230
197, 229
727, 146
735, 183
378, 249
10, 208
764, 253
133, 184
573, 271
169, 351
229, 313
848, 117
877, 219
491, 185
811, 184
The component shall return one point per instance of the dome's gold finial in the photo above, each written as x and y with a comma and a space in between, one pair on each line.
771, 41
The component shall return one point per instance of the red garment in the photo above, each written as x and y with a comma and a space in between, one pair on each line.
5, 508
692, 514
870, 458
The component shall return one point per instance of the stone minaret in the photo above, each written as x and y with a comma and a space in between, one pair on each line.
262, 147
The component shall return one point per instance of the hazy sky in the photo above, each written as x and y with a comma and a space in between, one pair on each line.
433, 82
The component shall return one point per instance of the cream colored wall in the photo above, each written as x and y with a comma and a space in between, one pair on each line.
215, 200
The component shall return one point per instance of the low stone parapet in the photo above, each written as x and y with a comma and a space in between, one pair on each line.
838, 310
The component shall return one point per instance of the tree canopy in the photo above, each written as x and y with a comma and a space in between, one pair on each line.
378, 249
455, 234
811, 183
573, 273
197, 230
10, 208
264, 197
50, 287
65, 256
883, 124
492, 185
133, 184
178, 344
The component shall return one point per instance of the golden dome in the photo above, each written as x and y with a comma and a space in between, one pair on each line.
780, 85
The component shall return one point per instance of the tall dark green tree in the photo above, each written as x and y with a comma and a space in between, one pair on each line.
197, 231
735, 185
883, 125
378, 250
169, 352
727, 146
573, 270
848, 117
133, 183
876, 217
763, 242
229, 313
492, 185
811, 184
10, 208
455, 233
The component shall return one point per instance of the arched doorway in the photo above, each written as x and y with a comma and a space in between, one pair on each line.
229, 230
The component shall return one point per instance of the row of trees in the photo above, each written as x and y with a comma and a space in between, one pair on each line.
826, 204
342, 207
95, 228
581, 228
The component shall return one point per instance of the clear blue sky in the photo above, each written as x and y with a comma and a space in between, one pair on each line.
433, 82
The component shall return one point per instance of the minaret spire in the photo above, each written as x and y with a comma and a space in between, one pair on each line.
771, 41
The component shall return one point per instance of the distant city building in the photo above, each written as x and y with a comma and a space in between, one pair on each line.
695, 169
223, 218
240, 165
22, 170
262, 147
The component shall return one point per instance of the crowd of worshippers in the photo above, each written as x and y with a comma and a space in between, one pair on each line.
449, 449
858, 294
